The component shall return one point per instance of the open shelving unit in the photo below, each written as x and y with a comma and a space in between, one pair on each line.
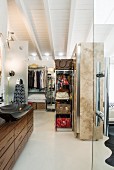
63, 97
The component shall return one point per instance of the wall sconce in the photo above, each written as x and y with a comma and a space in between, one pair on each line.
9, 38
11, 73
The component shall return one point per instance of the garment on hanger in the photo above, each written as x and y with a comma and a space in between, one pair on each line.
38, 79
19, 94
35, 79
31, 79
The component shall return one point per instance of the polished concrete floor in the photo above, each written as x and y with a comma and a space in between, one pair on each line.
50, 150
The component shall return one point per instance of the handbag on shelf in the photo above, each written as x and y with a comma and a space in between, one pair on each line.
64, 64
63, 108
63, 122
62, 95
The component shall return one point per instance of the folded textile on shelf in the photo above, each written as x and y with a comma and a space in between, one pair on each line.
62, 95
37, 96
36, 100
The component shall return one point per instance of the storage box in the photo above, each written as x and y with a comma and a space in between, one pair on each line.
41, 106
33, 104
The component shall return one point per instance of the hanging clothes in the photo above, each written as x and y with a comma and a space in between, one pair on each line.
37, 79
31, 75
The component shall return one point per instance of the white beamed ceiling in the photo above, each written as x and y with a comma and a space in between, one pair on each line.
55, 25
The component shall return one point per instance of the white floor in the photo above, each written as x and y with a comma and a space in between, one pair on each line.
50, 150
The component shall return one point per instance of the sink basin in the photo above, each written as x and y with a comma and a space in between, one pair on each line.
14, 111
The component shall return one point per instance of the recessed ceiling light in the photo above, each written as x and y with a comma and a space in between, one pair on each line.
60, 54
46, 54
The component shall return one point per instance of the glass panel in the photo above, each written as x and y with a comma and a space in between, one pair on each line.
103, 85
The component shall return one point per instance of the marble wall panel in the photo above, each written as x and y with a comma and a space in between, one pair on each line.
90, 53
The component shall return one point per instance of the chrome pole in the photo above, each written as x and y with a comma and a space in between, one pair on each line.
106, 96
78, 88
98, 69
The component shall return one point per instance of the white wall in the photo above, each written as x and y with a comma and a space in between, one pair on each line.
3, 31
16, 60
46, 61
3, 17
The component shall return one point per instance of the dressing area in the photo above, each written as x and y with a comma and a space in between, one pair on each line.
56, 84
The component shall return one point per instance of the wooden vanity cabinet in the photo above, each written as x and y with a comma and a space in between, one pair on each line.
13, 138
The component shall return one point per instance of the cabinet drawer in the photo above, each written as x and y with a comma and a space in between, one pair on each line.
20, 147
19, 139
20, 126
30, 116
6, 142
10, 164
6, 129
30, 132
6, 156
30, 124
41, 106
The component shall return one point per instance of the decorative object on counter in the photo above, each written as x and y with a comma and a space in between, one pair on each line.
14, 111
19, 93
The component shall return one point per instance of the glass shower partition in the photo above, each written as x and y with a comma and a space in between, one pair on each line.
103, 149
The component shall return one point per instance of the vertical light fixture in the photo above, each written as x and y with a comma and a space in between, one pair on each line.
7, 95
11, 73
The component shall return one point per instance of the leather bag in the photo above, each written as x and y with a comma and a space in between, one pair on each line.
64, 64
63, 108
